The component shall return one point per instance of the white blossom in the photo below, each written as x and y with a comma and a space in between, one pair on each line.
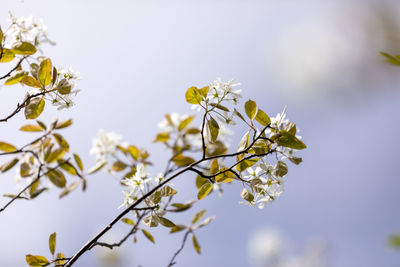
104, 144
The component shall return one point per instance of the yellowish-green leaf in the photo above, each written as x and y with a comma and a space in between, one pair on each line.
198, 216
45, 69
185, 123
206, 222
23, 48
61, 141
36, 261
31, 128
177, 228
167, 191
251, 109
151, 221
54, 155
219, 106
63, 124
213, 129
15, 77
6, 147
119, 166
182, 160
148, 236
204, 91
193, 131
246, 164
52, 243
162, 137
134, 152
68, 167
34, 108
196, 244
57, 178
204, 190
244, 142
281, 169
214, 167
179, 207
7, 56
24, 169
166, 222
59, 259
193, 96
288, 140
30, 81
64, 87
70, 188
128, 221
78, 161
262, 118
225, 177
8, 165
97, 167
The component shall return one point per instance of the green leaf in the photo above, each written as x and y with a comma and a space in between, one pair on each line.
57, 178
214, 167
63, 124
200, 181
390, 59
149, 236
7, 56
198, 216
204, 190
162, 137
31, 128
237, 113
193, 96
134, 152
52, 243
8, 165
119, 166
185, 122
41, 124
44, 74
181, 207
5, 147
296, 160
68, 167
128, 221
218, 106
246, 164
251, 109
34, 108
281, 169
225, 177
78, 161
287, 140
15, 77
204, 91
177, 228
30, 81
35, 261
166, 222
61, 141
213, 129
97, 167
247, 195
23, 48
196, 244
262, 118
182, 160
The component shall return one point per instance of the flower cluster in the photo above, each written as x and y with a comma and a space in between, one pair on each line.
104, 145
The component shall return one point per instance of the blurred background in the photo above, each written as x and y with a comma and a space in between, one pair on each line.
137, 58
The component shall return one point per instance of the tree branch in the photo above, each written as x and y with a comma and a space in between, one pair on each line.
13, 69
172, 262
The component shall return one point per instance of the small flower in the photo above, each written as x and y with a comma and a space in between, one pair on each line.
104, 144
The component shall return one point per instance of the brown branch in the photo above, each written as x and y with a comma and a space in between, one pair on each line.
172, 262
95, 239
13, 69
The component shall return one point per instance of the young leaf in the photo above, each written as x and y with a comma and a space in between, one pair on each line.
177, 228
119, 166
281, 169
8, 165
78, 161
128, 221
23, 48
246, 164
15, 77
149, 236
251, 109
162, 137
134, 152
36, 261
206, 222
225, 177
59, 259
287, 140
213, 129
244, 142
7, 56
166, 222
34, 108
247, 195
30, 81
63, 124
196, 244
185, 123
193, 96
167, 191
61, 142
57, 178
198, 216
182, 160
204, 190
52, 243
68, 167
31, 128
5, 147
262, 118
214, 167
45, 69
151, 221
99, 165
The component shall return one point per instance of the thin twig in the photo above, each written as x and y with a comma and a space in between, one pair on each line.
13, 69
172, 262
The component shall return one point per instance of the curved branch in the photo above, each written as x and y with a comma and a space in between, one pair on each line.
172, 262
